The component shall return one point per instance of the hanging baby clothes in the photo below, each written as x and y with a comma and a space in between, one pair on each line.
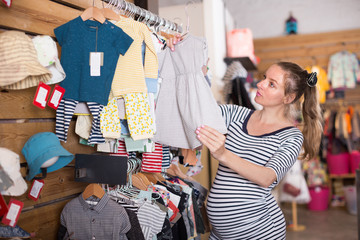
78, 39
185, 100
152, 161
132, 75
83, 125
110, 121
135, 232
138, 115
151, 219
343, 70
234, 70
64, 114
105, 220
166, 159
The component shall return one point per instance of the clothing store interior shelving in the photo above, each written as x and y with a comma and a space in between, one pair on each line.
325, 28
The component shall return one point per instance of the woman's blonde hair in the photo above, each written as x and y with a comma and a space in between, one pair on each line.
301, 83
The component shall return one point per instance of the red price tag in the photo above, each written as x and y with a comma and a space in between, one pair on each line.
41, 95
3, 206
56, 97
12, 216
35, 189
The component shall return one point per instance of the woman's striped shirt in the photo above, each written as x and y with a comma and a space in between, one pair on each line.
238, 208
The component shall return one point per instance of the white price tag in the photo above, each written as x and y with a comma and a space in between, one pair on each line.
35, 190
41, 96
56, 98
13, 213
95, 63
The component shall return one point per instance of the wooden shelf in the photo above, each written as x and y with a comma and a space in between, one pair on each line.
245, 61
349, 175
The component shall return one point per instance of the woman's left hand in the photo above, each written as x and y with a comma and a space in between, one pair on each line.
213, 140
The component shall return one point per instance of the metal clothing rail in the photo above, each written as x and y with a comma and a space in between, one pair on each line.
143, 15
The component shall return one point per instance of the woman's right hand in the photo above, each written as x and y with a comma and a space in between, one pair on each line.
171, 42
213, 140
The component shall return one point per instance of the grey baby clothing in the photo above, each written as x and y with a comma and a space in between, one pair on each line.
185, 100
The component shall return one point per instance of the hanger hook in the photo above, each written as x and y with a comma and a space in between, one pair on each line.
187, 14
176, 25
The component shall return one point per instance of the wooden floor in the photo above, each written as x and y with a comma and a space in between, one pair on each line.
335, 223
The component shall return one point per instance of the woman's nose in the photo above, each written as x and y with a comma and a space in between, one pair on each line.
260, 84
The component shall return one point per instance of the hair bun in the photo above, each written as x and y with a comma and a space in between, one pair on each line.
311, 79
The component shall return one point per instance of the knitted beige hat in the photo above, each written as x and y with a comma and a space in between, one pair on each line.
19, 66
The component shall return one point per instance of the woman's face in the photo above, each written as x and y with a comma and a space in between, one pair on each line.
271, 90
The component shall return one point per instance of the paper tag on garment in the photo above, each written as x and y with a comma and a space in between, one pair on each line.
56, 97
35, 189
41, 95
96, 61
13, 214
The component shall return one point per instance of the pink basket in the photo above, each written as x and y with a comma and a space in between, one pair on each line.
319, 198
354, 161
338, 164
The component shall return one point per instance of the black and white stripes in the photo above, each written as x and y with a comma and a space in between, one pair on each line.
238, 208
64, 115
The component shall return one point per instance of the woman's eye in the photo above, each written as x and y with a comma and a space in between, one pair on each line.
264, 76
271, 84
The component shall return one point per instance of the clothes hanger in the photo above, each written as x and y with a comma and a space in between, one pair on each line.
150, 177
141, 16
138, 182
171, 172
109, 13
93, 13
145, 180
133, 10
129, 189
151, 20
93, 189
121, 7
177, 171
177, 24
344, 49
159, 177
136, 179
188, 18
165, 34
157, 24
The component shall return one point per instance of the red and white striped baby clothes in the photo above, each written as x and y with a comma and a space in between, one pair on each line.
121, 149
152, 161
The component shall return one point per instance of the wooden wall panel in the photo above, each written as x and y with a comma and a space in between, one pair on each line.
14, 135
36, 16
43, 221
305, 50
56, 185
17, 104
299, 40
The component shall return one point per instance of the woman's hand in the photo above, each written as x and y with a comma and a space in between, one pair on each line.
213, 140
205, 68
171, 42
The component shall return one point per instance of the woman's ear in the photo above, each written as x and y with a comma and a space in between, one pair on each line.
289, 98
